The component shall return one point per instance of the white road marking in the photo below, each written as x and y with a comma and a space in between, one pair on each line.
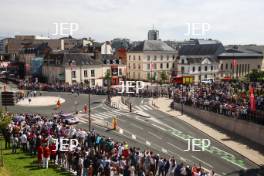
148, 143
134, 125
121, 131
146, 106
137, 107
134, 136
163, 129
142, 101
175, 146
164, 150
202, 161
153, 134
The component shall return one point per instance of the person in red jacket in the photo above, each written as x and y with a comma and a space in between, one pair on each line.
40, 155
52, 148
46, 156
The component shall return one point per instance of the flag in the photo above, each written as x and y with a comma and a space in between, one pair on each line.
252, 101
152, 66
234, 62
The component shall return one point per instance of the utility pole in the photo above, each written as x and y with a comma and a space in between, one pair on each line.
89, 105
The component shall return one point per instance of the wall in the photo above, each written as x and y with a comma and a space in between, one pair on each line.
254, 131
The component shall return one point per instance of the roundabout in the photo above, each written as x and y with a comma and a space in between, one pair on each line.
40, 101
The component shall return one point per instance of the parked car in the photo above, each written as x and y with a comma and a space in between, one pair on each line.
69, 119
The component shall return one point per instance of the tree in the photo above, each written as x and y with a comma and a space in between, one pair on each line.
108, 77
163, 77
255, 76
5, 120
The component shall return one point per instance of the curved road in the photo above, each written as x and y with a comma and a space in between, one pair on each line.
158, 132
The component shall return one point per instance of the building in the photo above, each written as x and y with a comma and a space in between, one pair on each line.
153, 34
238, 61
106, 48
147, 60
198, 67
79, 68
199, 59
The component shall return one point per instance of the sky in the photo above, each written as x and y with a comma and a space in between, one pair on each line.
230, 21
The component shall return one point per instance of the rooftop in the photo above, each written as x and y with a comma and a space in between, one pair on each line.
151, 45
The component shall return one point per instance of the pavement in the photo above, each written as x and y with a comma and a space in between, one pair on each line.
163, 104
40, 101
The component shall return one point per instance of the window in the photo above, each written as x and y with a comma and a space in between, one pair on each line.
138, 57
155, 66
168, 65
148, 66
173, 65
93, 82
222, 66
258, 66
139, 66
134, 57
193, 69
161, 65
212, 68
148, 57
129, 57
134, 66
226, 66
148, 75
73, 74
182, 61
129, 66
173, 57
155, 58
168, 57
85, 73
199, 68
92, 73
161, 57
138, 75
120, 71
182, 69
205, 68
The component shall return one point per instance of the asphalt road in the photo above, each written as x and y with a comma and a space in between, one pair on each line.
159, 132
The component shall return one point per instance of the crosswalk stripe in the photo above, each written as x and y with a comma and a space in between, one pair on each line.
137, 107
146, 106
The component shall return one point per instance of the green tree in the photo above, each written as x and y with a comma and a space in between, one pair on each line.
163, 77
5, 119
255, 76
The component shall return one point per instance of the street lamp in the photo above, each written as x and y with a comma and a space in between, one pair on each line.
89, 105
182, 92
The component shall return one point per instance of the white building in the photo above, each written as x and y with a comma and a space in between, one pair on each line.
200, 67
106, 48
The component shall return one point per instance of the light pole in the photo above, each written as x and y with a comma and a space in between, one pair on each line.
89, 105
182, 93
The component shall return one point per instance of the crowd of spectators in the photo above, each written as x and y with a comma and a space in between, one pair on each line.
94, 155
224, 98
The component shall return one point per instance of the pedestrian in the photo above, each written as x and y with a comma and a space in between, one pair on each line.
40, 155
46, 156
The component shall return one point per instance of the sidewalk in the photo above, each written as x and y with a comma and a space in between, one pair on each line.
163, 104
